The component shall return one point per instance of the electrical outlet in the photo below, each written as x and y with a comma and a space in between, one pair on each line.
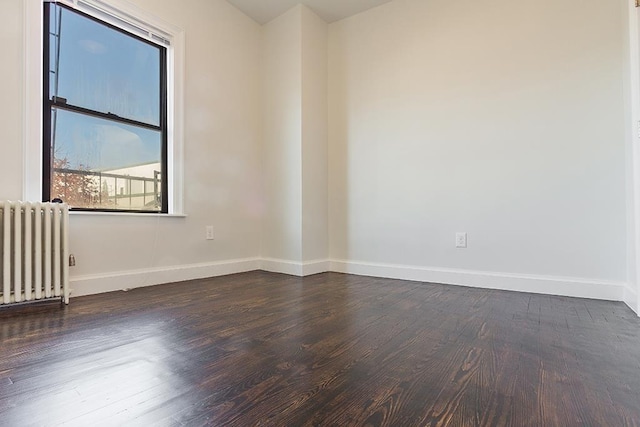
461, 240
209, 232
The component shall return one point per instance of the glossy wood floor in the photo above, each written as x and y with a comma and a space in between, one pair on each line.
328, 350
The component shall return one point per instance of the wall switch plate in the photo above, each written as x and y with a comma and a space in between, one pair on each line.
209, 232
461, 240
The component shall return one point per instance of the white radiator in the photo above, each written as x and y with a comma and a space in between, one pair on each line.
34, 248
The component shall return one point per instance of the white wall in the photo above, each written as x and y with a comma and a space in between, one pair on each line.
222, 158
631, 42
295, 225
282, 162
315, 221
11, 116
502, 119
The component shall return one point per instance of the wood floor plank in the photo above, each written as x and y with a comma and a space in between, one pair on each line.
331, 349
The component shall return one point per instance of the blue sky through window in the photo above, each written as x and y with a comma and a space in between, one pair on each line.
102, 145
104, 70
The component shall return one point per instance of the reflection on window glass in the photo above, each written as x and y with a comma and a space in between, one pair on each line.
104, 164
99, 68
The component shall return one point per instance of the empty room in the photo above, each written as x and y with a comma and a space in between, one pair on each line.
320, 212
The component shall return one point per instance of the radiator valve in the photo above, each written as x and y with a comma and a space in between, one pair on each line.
72, 260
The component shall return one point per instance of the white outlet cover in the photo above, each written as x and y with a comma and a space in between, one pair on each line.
461, 240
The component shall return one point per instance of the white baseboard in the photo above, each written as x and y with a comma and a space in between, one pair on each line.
314, 267
294, 268
98, 283
565, 286
631, 299
281, 266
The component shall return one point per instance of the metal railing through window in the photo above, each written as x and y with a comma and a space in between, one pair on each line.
105, 190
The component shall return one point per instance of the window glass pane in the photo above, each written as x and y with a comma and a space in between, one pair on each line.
103, 164
53, 48
99, 68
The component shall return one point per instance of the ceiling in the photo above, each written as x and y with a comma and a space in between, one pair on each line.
264, 11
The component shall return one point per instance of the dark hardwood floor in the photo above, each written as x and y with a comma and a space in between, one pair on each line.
328, 350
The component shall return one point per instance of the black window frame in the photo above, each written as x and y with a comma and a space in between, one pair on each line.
54, 102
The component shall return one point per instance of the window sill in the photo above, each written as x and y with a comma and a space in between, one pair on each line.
137, 214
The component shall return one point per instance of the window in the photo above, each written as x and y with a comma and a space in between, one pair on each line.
105, 112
